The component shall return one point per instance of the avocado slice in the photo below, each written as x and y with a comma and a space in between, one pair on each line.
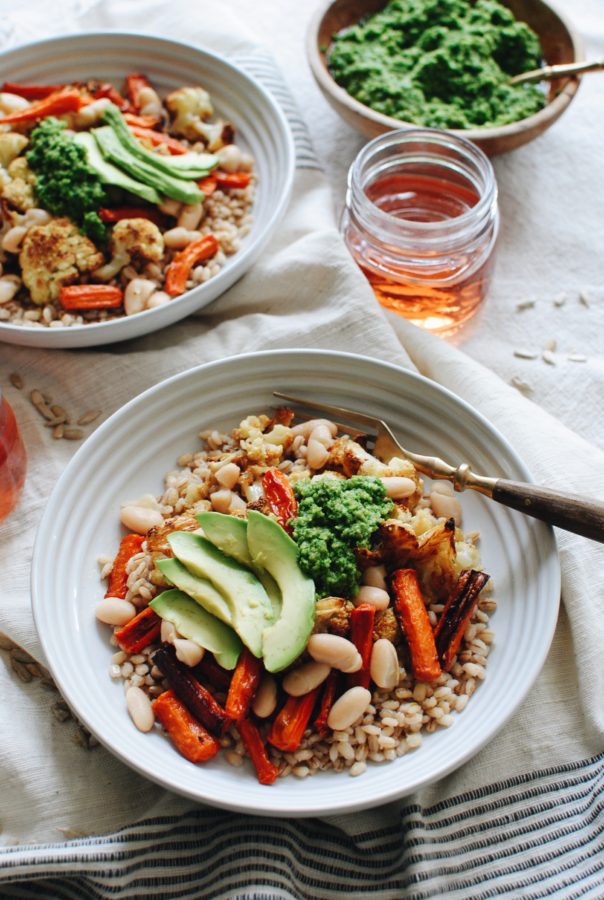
229, 534
272, 548
176, 188
193, 622
200, 589
247, 600
189, 165
110, 174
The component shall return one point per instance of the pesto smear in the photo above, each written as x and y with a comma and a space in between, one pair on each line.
334, 517
440, 63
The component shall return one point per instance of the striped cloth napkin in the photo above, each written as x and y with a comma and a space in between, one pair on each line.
522, 819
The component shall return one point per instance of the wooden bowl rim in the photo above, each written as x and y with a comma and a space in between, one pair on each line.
548, 114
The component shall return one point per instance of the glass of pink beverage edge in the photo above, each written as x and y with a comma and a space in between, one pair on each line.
13, 461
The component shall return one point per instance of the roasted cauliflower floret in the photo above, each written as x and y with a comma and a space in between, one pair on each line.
189, 109
386, 626
53, 255
263, 447
332, 615
19, 191
132, 239
11, 145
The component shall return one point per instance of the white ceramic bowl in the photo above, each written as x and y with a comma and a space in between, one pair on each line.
129, 454
260, 127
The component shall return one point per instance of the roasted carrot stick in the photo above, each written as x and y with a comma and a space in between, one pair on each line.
231, 180
142, 121
209, 671
131, 212
291, 722
208, 185
413, 617
145, 132
244, 684
179, 269
457, 614
66, 101
130, 545
188, 736
31, 91
330, 691
198, 700
266, 770
90, 296
361, 635
280, 497
140, 631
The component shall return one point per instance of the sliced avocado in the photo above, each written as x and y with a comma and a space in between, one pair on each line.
189, 165
115, 152
247, 600
110, 174
193, 622
273, 549
200, 589
229, 534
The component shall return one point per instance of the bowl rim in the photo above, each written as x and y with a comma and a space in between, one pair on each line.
68, 337
317, 61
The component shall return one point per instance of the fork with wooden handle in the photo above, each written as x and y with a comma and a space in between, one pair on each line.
568, 511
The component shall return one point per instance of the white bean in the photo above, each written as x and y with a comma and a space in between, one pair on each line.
36, 217
170, 207
140, 709
115, 611
230, 157
265, 701
316, 455
12, 103
304, 679
168, 632
137, 294
11, 242
375, 576
322, 434
190, 216
398, 487
348, 708
306, 428
158, 298
445, 505
443, 487
149, 102
9, 285
179, 238
228, 475
140, 518
221, 501
374, 596
383, 666
188, 652
91, 114
337, 652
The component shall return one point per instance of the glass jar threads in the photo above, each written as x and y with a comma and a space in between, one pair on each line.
421, 221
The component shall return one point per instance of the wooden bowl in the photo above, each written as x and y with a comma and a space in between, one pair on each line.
560, 44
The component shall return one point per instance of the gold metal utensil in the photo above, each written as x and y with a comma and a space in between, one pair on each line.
548, 73
568, 511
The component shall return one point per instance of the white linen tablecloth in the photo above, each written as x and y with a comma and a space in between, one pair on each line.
524, 816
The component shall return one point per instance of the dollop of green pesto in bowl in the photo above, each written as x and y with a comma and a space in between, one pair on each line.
440, 63
336, 516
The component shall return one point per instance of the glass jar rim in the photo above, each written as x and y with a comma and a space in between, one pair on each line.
435, 137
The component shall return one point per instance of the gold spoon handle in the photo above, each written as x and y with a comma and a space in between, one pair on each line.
547, 73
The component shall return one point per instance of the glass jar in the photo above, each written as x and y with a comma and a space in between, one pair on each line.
13, 461
421, 220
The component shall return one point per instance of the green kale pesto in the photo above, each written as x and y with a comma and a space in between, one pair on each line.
334, 517
65, 183
440, 63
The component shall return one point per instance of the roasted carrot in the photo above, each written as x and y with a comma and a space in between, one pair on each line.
31, 91
132, 212
142, 121
188, 736
130, 544
177, 273
106, 89
55, 104
144, 132
290, 724
209, 671
330, 691
134, 85
413, 617
361, 635
231, 180
244, 684
91, 296
139, 632
457, 613
266, 770
198, 699
280, 497
208, 185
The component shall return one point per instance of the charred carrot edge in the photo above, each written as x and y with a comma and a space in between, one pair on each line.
188, 736
91, 296
198, 699
330, 690
457, 614
361, 635
140, 631
244, 684
209, 670
266, 770
179, 269
280, 497
290, 724
415, 624
130, 545
232, 180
